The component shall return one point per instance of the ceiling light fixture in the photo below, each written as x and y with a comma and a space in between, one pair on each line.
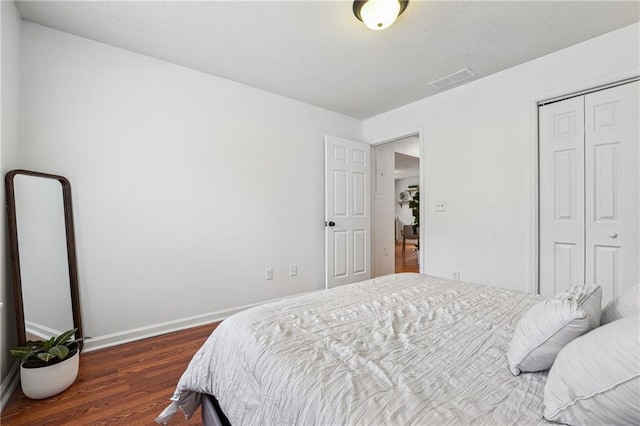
378, 14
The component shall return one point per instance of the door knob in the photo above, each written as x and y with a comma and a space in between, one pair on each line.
330, 223
612, 235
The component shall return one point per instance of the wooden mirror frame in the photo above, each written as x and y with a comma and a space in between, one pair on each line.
15, 254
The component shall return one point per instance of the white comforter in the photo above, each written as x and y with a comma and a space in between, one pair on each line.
401, 349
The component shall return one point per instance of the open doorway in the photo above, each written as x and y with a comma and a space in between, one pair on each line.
407, 212
396, 192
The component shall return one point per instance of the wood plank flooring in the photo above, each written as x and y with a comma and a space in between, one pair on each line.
407, 261
128, 384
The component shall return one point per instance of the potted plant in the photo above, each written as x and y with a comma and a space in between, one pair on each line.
47, 367
414, 205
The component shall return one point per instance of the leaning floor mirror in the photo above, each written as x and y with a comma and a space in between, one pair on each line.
43, 255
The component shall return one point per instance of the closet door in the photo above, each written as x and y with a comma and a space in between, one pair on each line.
561, 195
590, 191
612, 191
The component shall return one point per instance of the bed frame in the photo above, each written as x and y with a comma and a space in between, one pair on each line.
212, 414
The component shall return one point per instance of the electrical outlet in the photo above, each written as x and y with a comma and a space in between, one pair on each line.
293, 270
268, 274
456, 275
441, 206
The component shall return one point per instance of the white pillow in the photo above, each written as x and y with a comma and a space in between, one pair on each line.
549, 325
596, 377
628, 303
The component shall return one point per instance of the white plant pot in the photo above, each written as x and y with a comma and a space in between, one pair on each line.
43, 382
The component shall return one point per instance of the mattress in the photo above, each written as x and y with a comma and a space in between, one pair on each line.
399, 349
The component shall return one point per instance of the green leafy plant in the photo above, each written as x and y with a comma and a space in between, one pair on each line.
47, 350
414, 205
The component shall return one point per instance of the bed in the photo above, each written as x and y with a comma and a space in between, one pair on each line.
399, 349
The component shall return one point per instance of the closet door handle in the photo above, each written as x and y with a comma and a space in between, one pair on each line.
612, 235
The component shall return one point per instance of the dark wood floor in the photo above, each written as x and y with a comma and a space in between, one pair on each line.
128, 384
407, 261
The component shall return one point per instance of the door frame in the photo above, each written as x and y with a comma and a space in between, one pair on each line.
419, 132
575, 89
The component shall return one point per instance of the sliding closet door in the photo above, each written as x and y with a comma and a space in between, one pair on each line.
612, 190
561, 195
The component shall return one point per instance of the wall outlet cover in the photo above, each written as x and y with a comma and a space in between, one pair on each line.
441, 206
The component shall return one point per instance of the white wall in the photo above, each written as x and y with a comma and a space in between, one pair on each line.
10, 27
479, 149
185, 186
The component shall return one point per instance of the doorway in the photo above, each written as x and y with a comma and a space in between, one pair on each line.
407, 212
396, 206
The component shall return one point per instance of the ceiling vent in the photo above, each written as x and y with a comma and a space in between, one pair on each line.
451, 79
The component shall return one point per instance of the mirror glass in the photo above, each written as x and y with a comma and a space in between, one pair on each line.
43, 257
46, 290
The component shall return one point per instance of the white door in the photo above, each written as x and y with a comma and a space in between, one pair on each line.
561, 195
589, 190
612, 219
347, 211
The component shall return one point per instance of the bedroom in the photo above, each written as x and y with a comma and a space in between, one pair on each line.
164, 211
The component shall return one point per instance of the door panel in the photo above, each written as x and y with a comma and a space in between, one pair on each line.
564, 265
340, 246
612, 219
359, 194
605, 270
359, 251
561, 195
340, 193
606, 182
564, 169
347, 206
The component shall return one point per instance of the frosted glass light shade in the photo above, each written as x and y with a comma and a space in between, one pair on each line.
378, 14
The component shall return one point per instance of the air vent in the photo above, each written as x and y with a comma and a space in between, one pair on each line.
451, 79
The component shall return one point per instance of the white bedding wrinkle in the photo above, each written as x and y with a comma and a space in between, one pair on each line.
400, 349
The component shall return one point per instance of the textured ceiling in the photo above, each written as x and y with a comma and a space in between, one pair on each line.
317, 52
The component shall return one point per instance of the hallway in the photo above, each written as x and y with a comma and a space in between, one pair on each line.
407, 261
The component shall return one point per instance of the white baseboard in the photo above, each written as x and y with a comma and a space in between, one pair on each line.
41, 331
108, 340
9, 384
